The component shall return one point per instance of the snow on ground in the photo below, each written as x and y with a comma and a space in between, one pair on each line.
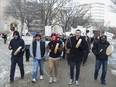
5, 55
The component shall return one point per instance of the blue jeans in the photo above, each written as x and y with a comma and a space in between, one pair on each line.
104, 69
14, 61
38, 63
72, 65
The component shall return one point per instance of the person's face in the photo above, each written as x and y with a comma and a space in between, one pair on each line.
53, 37
37, 38
78, 33
15, 36
103, 40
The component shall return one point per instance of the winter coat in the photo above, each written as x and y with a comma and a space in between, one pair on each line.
51, 46
99, 49
76, 54
15, 44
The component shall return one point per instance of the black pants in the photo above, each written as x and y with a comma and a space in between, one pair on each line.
85, 57
5, 41
64, 53
27, 54
68, 58
14, 61
72, 66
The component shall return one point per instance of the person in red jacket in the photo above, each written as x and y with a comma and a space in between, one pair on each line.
55, 50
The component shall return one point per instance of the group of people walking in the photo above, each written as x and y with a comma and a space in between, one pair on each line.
77, 49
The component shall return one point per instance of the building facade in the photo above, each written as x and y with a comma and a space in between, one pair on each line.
97, 12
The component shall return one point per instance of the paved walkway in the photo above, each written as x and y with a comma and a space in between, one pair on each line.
86, 76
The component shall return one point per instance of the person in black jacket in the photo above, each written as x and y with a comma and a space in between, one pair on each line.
99, 49
16, 58
76, 55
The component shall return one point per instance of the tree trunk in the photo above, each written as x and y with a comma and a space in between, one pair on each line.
22, 26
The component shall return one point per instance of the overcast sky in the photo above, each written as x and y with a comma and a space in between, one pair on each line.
109, 16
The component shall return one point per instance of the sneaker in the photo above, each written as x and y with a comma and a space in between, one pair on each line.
41, 77
55, 79
104, 83
22, 77
77, 83
50, 81
95, 77
70, 82
34, 80
11, 81
84, 64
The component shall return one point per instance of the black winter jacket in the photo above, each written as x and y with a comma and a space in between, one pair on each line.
14, 44
99, 49
76, 54
51, 46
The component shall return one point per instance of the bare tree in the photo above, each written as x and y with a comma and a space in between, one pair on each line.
50, 8
64, 19
25, 11
49, 12
83, 17
112, 30
99, 27
16, 9
113, 7
71, 17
